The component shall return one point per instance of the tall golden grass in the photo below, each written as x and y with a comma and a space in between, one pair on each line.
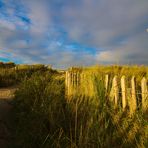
46, 119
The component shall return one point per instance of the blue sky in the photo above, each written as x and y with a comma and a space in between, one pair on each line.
64, 33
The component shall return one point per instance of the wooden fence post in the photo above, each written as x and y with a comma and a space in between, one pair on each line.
115, 91
72, 77
123, 88
66, 83
144, 94
78, 79
132, 99
70, 84
106, 82
81, 83
75, 83
74, 80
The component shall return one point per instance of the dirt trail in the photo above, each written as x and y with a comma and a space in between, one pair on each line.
6, 116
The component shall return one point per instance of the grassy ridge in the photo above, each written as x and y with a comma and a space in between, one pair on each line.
46, 119
11, 74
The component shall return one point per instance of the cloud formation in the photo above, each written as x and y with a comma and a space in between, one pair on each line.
81, 32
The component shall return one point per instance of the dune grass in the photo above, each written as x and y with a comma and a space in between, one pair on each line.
46, 119
10, 76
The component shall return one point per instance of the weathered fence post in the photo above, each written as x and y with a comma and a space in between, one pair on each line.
74, 80
81, 81
72, 76
132, 100
115, 91
69, 83
106, 82
144, 94
123, 88
78, 82
66, 83
75, 83
78, 79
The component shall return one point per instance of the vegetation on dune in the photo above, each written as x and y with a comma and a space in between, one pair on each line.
11, 74
7, 65
46, 119
34, 100
14, 75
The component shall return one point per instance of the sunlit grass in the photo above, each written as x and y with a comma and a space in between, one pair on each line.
47, 119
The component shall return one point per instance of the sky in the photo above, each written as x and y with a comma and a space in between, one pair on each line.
67, 33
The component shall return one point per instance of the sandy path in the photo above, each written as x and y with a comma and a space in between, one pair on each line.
6, 117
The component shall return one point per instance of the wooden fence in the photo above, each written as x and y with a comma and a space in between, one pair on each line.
116, 90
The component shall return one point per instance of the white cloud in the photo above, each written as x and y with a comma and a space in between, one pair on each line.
116, 28
112, 25
39, 15
134, 51
104, 20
